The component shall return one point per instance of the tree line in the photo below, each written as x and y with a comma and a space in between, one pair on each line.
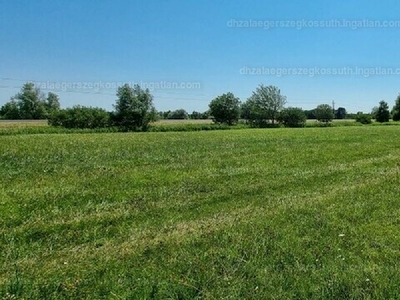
30, 103
134, 110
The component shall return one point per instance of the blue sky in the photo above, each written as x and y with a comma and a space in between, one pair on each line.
189, 52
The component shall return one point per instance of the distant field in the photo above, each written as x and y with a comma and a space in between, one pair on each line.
7, 124
308, 213
334, 121
171, 122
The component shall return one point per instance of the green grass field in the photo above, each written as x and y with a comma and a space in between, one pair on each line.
309, 213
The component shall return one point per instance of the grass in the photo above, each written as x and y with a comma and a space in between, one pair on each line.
307, 213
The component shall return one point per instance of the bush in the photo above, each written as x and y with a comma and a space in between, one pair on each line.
80, 117
363, 118
293, 117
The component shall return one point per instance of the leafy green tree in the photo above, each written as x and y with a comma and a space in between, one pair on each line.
225, 109
293, 117
340, 113
52, 103
253, 113
10, 111
195, 115
164, 114
134, 108
269, 100
324, 113
31, 102
179, 114
310, 114
396, 110
263, 106
205, 115
374, 112
383, 114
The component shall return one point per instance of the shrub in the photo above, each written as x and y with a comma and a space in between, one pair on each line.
80, 117
363, 118
293, 117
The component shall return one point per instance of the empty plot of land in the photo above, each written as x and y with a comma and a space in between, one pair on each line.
282, 213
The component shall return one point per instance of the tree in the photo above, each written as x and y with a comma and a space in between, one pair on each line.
269, 99
205, 115
340, 113
293, 117
179, 114
10, 111
396, 109
383, 114
134, 108
30, 102
254, 113
52, 103
310, 114
195, 115
264, 105
225, 109
374, 112
324, 113
163, 114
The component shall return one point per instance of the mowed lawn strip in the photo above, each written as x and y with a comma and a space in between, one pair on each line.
292, 213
